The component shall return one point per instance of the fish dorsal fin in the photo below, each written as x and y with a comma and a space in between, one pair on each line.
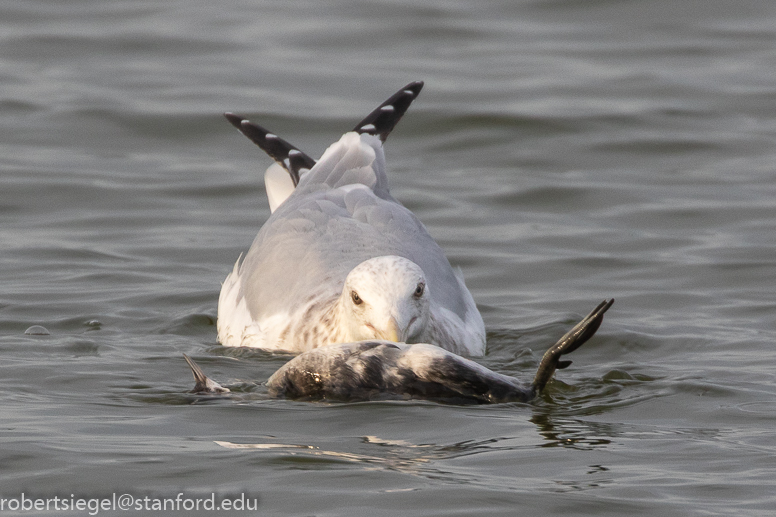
203, 383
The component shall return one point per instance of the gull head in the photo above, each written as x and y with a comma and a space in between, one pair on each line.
385, 298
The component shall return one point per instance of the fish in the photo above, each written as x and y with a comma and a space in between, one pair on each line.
384, 370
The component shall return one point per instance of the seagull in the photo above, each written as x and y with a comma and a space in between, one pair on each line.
379, 370
340, 260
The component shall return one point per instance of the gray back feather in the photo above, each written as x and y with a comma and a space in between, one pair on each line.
329, 225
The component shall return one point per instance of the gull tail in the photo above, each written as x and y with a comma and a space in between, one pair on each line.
203, 383
286, 155
380, 122
385, 117
573, 339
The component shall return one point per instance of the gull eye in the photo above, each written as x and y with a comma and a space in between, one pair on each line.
356, 298
419, 290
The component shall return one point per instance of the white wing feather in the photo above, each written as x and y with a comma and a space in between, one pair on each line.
278, 185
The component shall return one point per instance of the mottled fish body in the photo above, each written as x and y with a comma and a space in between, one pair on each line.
380, 370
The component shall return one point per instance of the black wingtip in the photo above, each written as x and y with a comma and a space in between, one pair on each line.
285, 154
380, 122
234, 119
385, 117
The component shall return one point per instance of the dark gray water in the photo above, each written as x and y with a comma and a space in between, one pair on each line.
561, 153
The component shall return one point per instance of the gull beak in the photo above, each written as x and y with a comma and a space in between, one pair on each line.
391, 332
